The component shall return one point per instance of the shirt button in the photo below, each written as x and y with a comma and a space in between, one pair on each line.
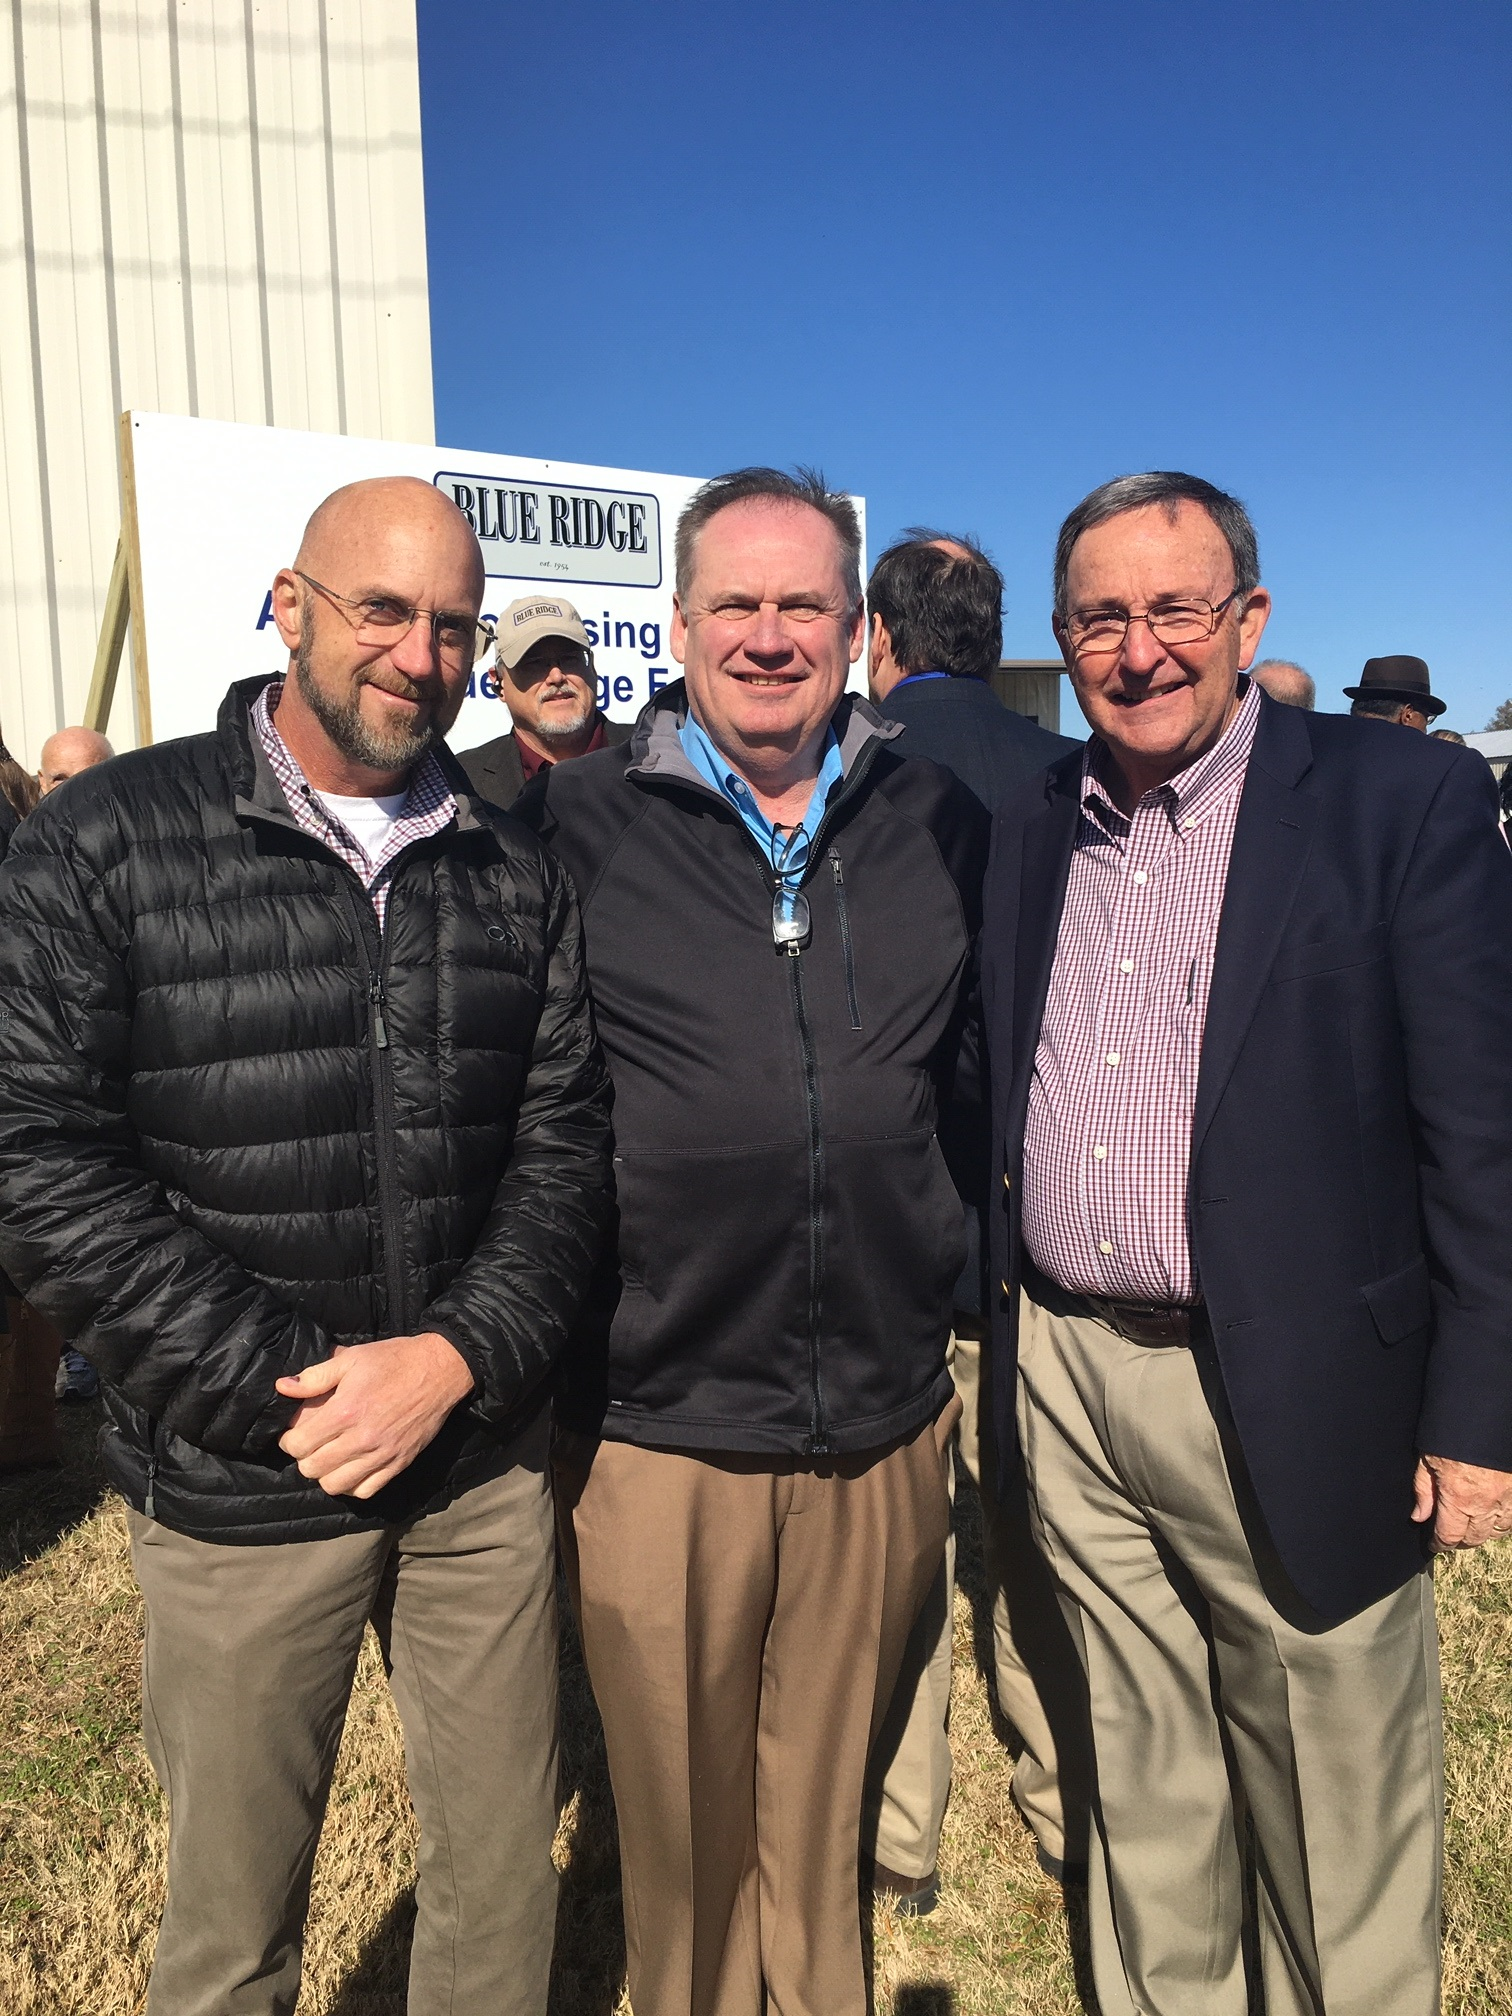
1105, 1245
1140, 875
1099, 1154
1126, 965
1111, 1058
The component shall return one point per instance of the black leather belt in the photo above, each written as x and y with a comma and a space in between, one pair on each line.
1181, 1323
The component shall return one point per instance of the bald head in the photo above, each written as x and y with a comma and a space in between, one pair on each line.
68, 752
1285, 682
363, 520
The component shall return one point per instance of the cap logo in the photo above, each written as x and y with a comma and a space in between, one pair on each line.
532, 610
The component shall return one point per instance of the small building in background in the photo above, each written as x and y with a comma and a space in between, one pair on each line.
1032, 686
1496, 747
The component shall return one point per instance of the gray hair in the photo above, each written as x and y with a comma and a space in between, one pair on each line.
1167, 487
804, 486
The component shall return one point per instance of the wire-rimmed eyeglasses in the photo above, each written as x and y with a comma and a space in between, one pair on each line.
385, 619
1091, 632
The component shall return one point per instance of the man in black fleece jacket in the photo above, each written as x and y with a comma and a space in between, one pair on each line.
780, 918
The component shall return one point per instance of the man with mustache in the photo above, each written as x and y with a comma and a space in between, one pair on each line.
304, 1142
1248, 991
546, 680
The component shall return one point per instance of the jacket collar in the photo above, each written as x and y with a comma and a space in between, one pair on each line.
257, 791
656, 754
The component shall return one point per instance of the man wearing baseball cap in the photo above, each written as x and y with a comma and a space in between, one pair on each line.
546, 680
1395, 689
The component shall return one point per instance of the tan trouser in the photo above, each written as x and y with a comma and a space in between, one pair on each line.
1209, 1703
28, 1368
743, 1619
248, 1665
1036, 1674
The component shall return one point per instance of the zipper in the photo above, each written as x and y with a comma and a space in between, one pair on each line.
818, 1436
149, 1506
385, 1129
842, 910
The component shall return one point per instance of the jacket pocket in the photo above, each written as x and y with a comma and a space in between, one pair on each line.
1330, 955
1400, 1303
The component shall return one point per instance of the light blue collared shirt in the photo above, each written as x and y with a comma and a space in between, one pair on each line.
793, 854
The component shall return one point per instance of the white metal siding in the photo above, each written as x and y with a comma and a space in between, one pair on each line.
211, 207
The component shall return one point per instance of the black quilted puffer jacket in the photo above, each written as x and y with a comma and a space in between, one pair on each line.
237, 1127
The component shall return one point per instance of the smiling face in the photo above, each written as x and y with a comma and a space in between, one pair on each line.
1159, 706
359, 709
768, 632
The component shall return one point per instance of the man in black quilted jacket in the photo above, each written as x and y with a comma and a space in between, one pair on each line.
780, 918
304, 1142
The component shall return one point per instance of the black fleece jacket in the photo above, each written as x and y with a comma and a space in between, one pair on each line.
788, 1232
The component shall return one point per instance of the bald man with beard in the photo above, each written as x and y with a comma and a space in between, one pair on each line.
304, 1142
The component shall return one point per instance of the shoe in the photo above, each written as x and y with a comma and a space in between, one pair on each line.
77, 1379
910, 1896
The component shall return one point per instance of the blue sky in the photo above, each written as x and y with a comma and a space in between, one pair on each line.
974, 259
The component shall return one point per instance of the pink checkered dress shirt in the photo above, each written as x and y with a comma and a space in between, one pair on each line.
1109, 1133
428, 807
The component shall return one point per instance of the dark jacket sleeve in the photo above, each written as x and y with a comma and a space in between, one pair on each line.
1451, 943
510, 1308
169, 1320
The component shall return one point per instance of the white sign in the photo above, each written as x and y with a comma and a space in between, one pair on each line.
220, 508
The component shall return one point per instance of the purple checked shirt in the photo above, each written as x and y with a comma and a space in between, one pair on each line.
1109, 1133
428, 806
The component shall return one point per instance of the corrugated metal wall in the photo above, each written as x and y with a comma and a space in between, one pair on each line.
207, 207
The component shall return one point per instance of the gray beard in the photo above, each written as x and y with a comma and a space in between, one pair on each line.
342, 720
557, 730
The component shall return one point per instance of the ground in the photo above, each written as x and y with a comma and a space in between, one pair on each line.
82, 1824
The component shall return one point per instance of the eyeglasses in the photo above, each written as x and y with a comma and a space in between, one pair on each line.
384, 619
1094, 631
791, 921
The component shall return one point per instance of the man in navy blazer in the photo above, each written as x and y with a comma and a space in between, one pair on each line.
1248, 987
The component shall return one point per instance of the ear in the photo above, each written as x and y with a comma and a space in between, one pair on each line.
1063, 641
677, 636
287, 613
1257, 608
880, 643
858, 632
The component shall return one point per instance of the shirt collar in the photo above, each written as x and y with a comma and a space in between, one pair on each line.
1192, 793
712, 767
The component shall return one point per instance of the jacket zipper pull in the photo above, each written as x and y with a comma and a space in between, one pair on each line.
149, 1507
835, 865
380, 1027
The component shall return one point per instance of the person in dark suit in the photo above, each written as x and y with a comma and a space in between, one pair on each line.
546, 680
1248, 994
936, 637
936, 604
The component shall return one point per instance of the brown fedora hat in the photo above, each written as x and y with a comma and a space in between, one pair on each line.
1401, 678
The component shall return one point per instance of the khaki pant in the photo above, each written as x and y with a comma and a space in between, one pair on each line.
248, 1664
743, 1620
1037, 1677
1209, 1705
28, 1368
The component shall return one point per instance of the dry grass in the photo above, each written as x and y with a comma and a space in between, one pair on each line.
81, 1821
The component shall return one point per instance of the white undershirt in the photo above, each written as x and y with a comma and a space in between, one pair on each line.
369, 820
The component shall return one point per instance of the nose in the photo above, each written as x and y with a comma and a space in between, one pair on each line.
1142, 651
415, 654
767, 638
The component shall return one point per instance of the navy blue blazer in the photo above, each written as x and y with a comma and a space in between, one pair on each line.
1350, 1199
